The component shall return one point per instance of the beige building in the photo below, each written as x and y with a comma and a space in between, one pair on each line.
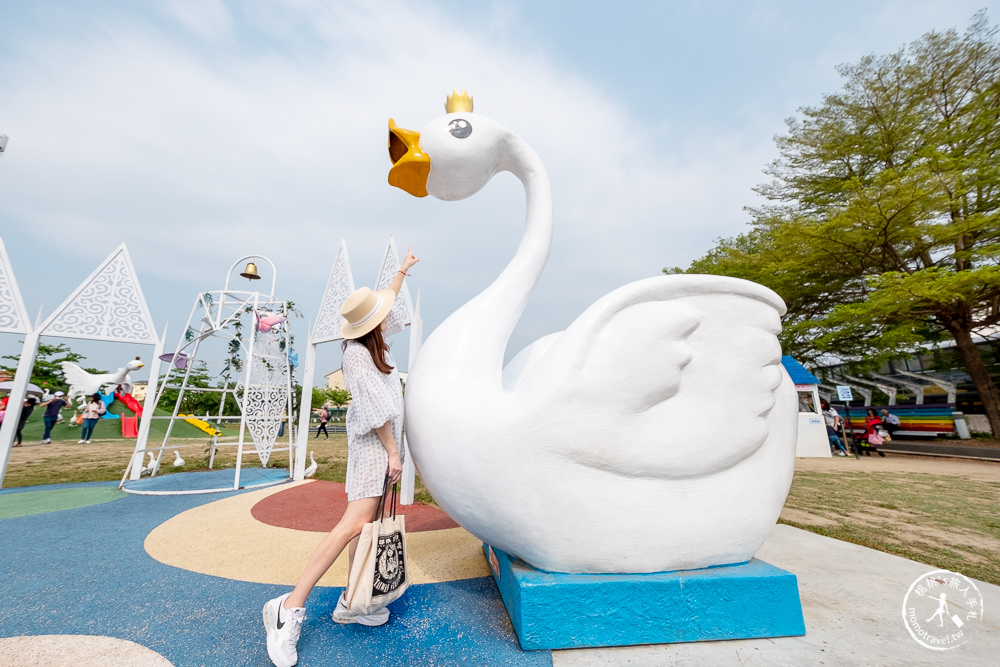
335, 380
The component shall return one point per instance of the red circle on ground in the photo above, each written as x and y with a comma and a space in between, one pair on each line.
317, 507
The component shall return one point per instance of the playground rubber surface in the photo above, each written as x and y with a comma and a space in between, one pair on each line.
181, 579
54, 500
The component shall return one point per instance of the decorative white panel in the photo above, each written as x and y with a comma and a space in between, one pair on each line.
264, 399
109, 306
403, 308
338, 288
13, 317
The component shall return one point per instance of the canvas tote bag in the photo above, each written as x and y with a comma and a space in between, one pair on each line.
380, 573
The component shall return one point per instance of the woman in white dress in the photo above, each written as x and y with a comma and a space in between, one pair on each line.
374, 430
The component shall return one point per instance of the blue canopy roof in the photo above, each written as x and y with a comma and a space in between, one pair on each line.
798, 372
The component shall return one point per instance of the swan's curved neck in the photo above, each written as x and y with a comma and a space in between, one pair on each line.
489, 318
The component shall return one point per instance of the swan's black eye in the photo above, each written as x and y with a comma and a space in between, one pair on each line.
460, 128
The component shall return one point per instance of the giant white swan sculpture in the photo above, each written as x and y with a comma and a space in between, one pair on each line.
656, 433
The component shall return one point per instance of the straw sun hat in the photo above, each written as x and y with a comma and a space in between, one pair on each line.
364, 310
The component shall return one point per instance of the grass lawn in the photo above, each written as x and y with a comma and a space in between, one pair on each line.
111, 429
942, 520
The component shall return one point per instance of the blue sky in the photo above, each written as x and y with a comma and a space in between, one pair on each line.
198, 132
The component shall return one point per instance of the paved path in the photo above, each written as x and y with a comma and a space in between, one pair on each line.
938, 449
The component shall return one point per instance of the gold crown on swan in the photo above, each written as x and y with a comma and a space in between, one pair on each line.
457, 103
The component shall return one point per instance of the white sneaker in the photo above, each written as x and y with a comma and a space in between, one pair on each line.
88, 442
79, 442
344, 615
283, 627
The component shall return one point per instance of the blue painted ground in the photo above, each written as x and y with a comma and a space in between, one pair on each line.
212, 481
84, 571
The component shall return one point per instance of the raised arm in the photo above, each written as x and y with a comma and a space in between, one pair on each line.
408, 261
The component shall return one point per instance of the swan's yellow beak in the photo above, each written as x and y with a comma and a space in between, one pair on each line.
410, 165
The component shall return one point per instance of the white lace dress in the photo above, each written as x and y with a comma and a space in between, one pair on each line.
376, 398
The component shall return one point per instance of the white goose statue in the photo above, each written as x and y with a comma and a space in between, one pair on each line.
656, 433
313, 467
152, 467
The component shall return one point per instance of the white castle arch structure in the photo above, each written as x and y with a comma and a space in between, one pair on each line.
107, 306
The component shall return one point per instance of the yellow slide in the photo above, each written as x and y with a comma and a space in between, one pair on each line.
201, 423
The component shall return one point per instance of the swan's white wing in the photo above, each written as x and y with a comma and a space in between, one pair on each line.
80, 380
666, 377
525, 360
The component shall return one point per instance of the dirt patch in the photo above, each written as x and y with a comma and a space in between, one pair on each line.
790, 515
972, 545
932, 510
983, 471
909, 526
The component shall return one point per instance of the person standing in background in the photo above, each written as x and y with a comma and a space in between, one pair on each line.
324, 417
91, 413
26, 410
52, 413
832, 420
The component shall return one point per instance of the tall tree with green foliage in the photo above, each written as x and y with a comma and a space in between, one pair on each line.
883, 227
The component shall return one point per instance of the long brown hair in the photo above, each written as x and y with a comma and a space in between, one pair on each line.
376, 346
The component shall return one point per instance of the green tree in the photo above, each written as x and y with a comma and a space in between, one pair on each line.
318, 397
883, 227
198, 402
324, 395
47, 372
339, 397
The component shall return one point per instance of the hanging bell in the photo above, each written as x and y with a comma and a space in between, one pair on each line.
250, 273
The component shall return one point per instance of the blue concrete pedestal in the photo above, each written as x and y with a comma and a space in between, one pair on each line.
553, 610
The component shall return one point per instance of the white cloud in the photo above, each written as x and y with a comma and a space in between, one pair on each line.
210, 134
209, 19
195, 157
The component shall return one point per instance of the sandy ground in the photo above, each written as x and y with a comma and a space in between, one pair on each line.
982, 471
76, 650
99, 450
